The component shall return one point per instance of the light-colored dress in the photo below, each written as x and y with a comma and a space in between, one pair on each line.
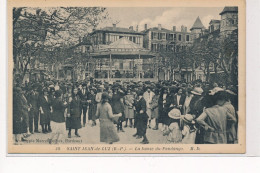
188, 136
107, 129
175, 135
154, 106
129, 109
231, 129
216, 119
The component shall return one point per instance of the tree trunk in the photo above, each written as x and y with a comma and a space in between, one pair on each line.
208, 72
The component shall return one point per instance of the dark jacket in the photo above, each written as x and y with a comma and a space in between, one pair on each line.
141, 105
33, 100
83, 98
46, 105
58, 111
20, 111
75, 107
116, 104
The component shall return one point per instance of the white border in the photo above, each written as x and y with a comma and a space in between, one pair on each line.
147, 164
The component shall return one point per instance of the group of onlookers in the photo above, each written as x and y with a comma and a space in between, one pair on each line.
185, 112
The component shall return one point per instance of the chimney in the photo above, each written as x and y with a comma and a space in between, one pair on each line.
145, 26
159, 27
182, 28
114, 25
137, 28
131, 27
174, 28
185, 29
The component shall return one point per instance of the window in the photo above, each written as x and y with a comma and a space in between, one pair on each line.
121, 65
179, 37
175, 37
120, 37
154, 47
170, 37
131, 38
187, 38
155, 35
134, 39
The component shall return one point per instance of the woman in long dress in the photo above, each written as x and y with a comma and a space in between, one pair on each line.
129, 108
104, 113
154, 108
74, 119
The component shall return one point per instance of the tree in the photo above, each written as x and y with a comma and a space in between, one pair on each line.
39, 31
229, 57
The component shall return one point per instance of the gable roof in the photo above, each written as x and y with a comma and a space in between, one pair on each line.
229, 9
197, 24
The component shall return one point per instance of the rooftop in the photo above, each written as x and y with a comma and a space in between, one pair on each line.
214, 21
118, 30
162, 29
229, 9
197, 24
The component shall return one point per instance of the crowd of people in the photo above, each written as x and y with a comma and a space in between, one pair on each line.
188, 113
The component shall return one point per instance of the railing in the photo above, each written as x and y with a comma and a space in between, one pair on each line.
127, 79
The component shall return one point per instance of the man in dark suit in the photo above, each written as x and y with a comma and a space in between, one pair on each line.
141, 118
45, 111
83, 94
178, 99
34, 111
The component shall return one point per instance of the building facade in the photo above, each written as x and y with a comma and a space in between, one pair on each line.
108, 35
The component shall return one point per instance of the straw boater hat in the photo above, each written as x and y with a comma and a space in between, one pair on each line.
188, 118
197, 91
175, 114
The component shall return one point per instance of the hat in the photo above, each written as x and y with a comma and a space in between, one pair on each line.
231, 92
215, 90
139, 93
58, 93
197, 91
188, 118
175, 113
105, 96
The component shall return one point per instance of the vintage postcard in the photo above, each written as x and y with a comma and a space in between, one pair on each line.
114, 76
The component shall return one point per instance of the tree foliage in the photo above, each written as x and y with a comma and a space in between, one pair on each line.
50, 34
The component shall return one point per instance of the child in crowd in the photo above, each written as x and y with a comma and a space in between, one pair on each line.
189, 129
174, 133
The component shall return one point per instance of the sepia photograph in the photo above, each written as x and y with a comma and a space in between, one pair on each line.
113, 79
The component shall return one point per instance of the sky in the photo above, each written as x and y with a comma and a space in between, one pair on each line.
167, 17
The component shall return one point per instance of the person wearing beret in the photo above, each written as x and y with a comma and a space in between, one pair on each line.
141, 118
